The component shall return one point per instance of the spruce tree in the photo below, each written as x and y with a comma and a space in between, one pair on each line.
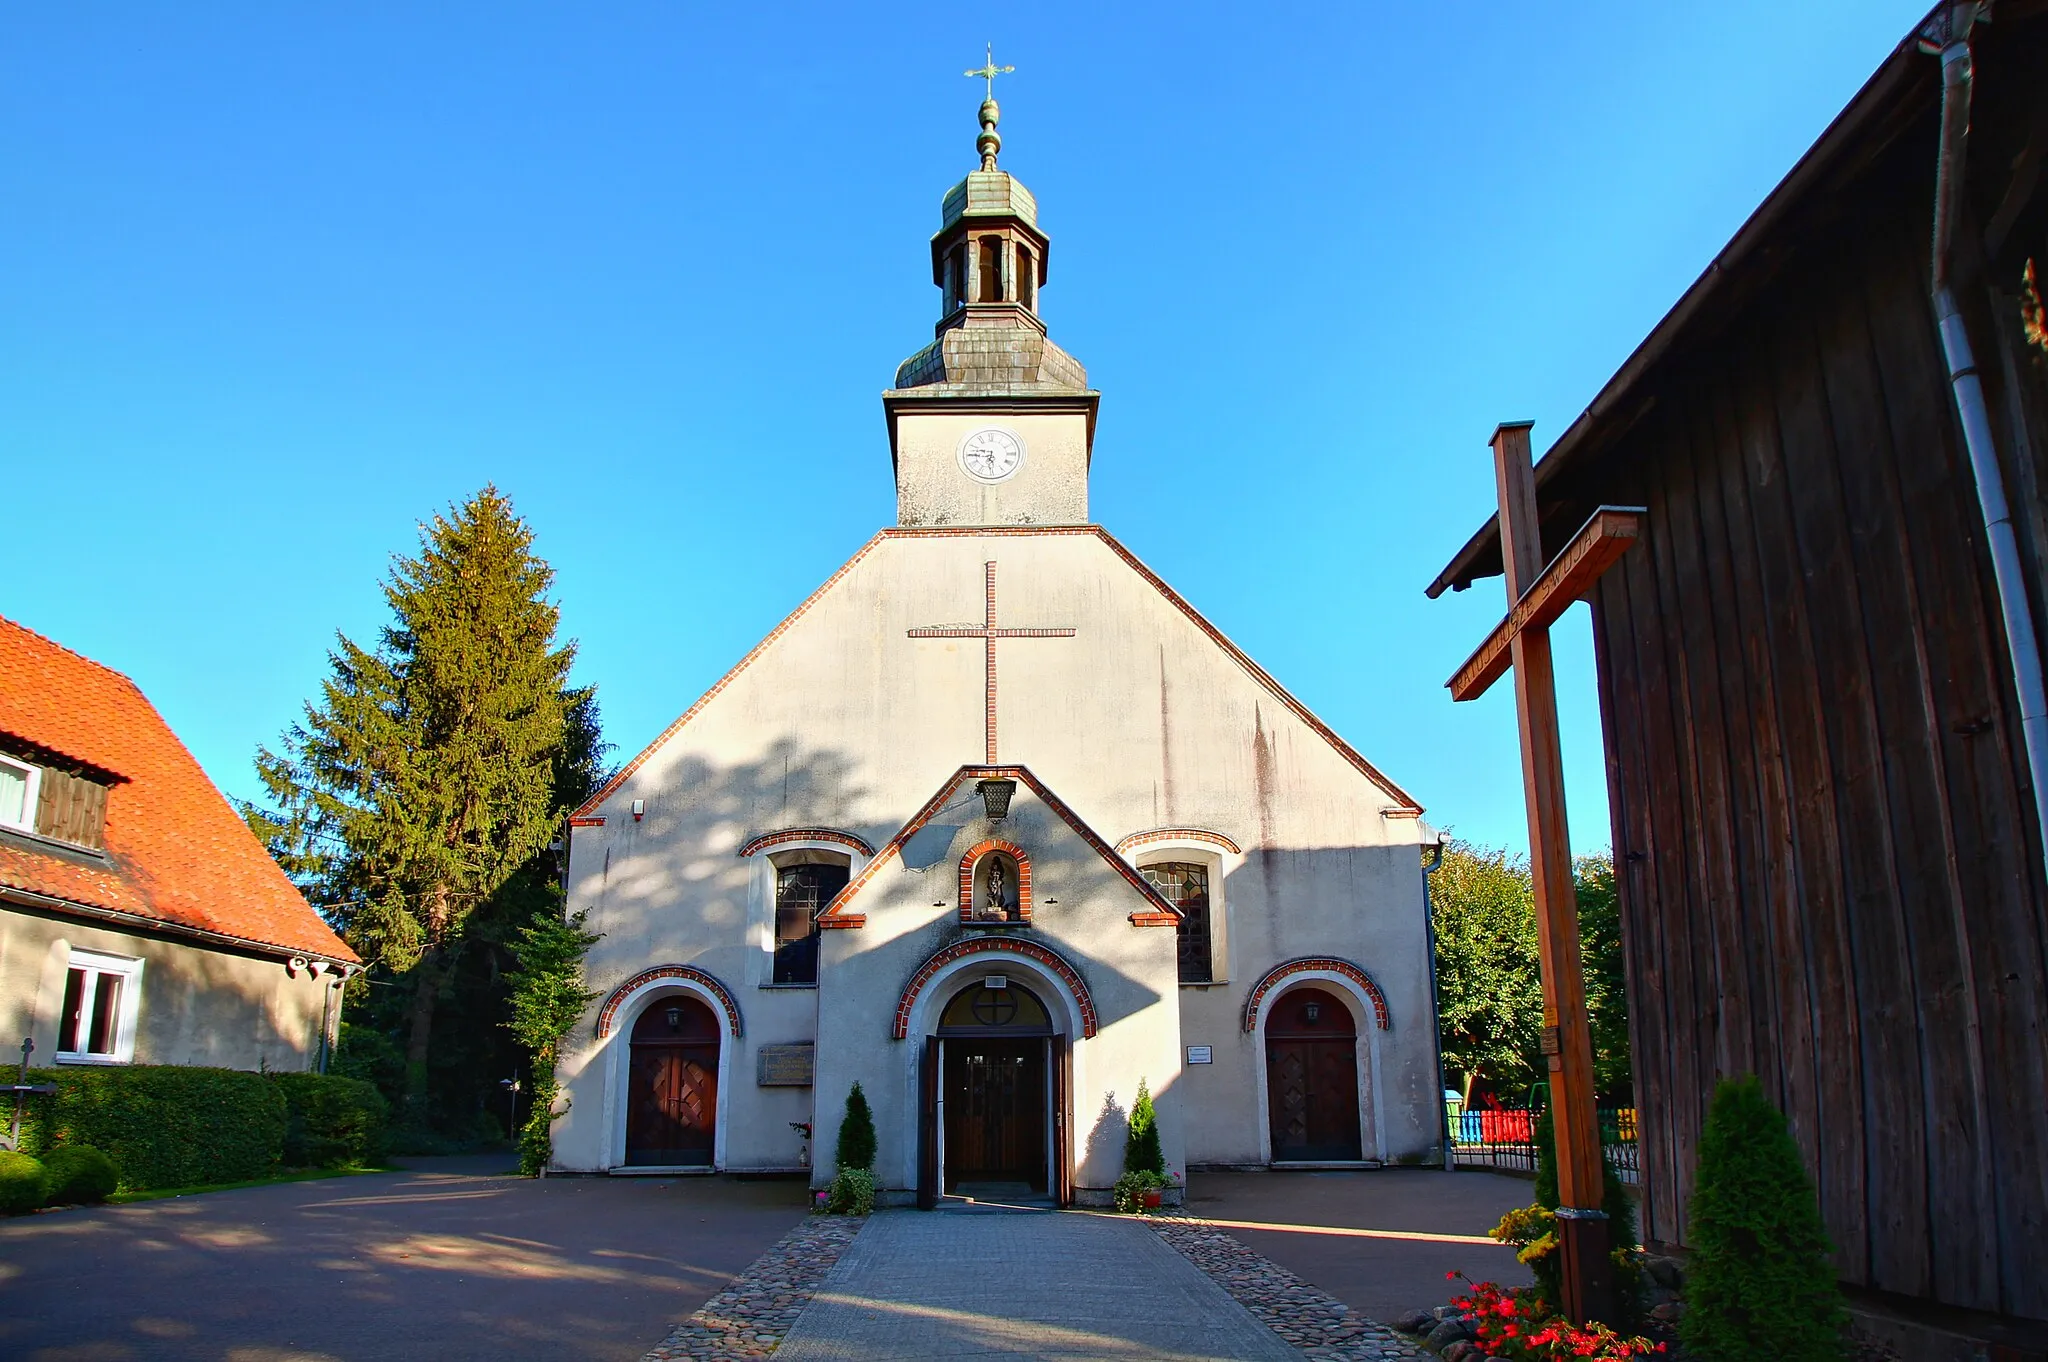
425, 783
1141, 1149
856, 1148
1759, 1286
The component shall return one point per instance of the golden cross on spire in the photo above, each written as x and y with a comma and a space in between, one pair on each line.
990, 71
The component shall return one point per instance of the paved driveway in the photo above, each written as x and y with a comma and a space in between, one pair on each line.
917, 1285
1412, 1221
443, 1261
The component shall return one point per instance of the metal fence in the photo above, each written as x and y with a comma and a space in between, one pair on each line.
1503, 1139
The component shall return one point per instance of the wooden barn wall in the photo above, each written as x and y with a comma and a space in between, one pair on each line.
1821, 812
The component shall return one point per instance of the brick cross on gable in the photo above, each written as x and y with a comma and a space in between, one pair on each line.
988, 633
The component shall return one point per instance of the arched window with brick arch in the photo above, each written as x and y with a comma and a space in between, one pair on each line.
995, 883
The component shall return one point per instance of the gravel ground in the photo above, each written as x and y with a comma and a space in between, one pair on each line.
1321, 1326
750, 1317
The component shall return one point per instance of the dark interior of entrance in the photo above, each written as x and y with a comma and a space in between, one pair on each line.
672, 1087
995, 1043
1312, 1079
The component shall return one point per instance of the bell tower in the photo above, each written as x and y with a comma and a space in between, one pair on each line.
991, 423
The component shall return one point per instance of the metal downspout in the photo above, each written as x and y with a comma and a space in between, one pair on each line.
1948, 33
1436, 1019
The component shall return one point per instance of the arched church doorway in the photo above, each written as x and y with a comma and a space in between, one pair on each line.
1312, 1079
998, 1065
672, 1085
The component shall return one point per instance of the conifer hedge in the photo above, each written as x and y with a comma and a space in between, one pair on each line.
168, 1125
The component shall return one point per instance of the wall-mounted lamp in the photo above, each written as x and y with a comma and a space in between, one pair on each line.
1312, 1013
675, 1018
995, 796
639, 808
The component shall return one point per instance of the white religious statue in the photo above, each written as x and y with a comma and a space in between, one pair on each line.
1000, 900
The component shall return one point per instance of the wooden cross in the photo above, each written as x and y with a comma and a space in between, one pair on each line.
988, 634
1537, 596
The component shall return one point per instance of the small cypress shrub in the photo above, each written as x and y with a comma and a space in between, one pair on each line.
80, 1175
1759, 1286
857, 1133
1141, 1148
23, 1182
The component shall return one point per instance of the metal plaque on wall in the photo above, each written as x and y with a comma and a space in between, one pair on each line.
787, 1066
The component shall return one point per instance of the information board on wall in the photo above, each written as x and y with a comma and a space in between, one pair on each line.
787, 1066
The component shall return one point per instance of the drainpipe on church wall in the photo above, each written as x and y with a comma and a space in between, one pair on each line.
1436, 1021
1948, 34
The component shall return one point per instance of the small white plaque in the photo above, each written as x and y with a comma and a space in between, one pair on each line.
1200, 1054
996, 981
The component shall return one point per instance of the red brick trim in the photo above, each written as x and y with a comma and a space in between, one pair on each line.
1006, 945
1329, 964
587, 820
776, 839
709, 982
1253, 669
974, 855
1139, 839
839, 913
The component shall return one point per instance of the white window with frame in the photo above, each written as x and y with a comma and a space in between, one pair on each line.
102, 994
20, 784
1190, 874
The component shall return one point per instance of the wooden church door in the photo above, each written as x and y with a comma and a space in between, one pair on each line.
672, 1086
1312, 1079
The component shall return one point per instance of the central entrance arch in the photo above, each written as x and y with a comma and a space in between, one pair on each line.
994, 1053
1312, 1079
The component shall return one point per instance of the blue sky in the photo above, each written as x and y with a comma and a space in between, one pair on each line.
279, 282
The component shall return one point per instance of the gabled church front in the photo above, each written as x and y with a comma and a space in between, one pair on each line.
997, 826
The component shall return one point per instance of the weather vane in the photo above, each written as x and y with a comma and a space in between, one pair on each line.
990, 71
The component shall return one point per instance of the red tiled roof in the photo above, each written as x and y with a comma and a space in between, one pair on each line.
176, 851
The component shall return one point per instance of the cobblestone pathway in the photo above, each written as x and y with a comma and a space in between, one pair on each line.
916, 1285
751, 1316
1321, 1326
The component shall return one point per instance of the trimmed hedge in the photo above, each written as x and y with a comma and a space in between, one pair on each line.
22, 1183
164, 1125
79, 1175
331, 1120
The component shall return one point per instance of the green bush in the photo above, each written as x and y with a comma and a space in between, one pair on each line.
852, 1193
856, 1133
331, 1120
165, 1125
80, 1175
23, 1181
1141, 1148
1758, 1285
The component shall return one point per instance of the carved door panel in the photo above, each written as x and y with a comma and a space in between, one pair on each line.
1312, 1099
672, 1105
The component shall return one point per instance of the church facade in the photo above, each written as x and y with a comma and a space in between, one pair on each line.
996, 825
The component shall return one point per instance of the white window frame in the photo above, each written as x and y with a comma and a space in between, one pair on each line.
129, 971
29, 800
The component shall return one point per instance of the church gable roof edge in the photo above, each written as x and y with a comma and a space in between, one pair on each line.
836, 914
1238, 655
611, 787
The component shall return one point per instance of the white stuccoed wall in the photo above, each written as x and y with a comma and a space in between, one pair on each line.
1140, 721
1050, 487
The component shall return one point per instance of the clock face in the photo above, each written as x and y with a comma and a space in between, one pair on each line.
991, 454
